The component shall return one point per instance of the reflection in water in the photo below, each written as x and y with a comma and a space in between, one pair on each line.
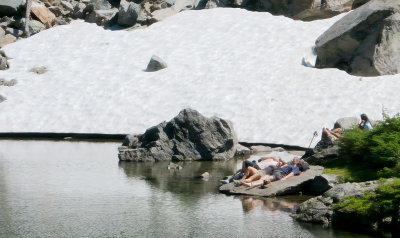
184, 181
268, 204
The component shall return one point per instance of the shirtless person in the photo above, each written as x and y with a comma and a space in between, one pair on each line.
282, 173
253, 174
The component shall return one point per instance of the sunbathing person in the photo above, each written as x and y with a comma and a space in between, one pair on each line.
276, 174
331, 135
253, 174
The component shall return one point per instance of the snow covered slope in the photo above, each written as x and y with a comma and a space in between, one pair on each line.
239, 65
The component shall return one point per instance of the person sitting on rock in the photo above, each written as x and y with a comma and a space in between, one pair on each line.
281, 173
365, 123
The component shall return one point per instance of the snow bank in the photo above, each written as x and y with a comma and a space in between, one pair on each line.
243, 66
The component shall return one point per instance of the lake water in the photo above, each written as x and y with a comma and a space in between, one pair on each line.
79, 189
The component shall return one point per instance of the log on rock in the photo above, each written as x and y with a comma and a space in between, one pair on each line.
293, 185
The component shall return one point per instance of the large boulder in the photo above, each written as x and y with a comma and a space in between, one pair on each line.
364, 42
188, 136
320, 209
346, 123
321, 155
128, 13
293, 185
11, 7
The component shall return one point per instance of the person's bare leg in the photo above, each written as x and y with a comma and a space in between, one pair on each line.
259, 181
253, 175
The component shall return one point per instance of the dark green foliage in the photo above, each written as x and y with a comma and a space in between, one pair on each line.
379, 148
377, 206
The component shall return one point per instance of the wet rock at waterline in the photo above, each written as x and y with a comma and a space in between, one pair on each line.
188, 136
364, 42
293, 185
155, 64
319, 209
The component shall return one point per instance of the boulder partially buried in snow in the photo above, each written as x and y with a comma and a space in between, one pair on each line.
188, 136
155, 64
364, 42
293, 185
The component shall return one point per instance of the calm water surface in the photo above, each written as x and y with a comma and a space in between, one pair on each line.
79, 189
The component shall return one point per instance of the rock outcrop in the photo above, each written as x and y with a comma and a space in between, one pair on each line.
306, 10
319, 209
2, 99
364, 42
188, 136
293, 185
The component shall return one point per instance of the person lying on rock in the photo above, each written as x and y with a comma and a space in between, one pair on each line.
252, 174
281, 173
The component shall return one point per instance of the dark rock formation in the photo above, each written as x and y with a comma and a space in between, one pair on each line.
293, 185
188, 136
11, 7
364, 42
320, 156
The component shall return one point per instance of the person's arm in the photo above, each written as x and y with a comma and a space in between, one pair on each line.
361, 124
291, 174
270, 157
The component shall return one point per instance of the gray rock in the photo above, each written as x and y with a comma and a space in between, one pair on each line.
7, 39
11, 7
14, 32
319, 209
3, 61
67, 6
78, 10
102, 17
100, 4
322, 183
242, 150
261, 148
2, 99
322, 155
293, 185
128, 13
346, 122
364, 42
155, 64
57, 11
10, 83
39, 70
35, 27
181, 5
2, 33
188, 136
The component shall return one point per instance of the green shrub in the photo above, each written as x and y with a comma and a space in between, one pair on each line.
379, 148
375, 206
